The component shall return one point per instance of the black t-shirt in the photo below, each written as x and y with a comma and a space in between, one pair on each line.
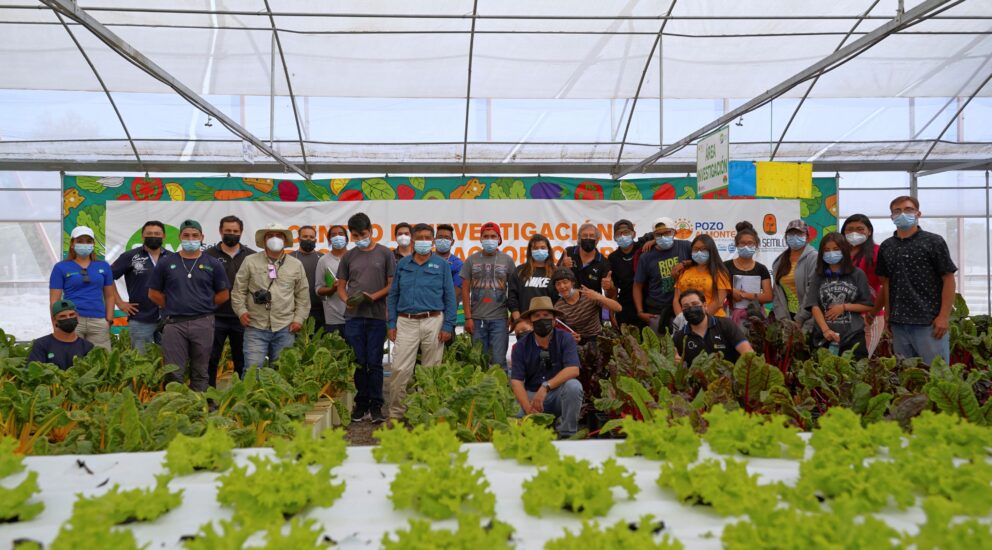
622, 267
231, 266
722, 335
759, 272
136, 265
521, 290
915, 267
589, 275
49, 349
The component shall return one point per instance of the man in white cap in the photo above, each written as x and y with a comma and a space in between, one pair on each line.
654, 278
271, 296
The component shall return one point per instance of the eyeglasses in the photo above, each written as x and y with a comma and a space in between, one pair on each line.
910, 210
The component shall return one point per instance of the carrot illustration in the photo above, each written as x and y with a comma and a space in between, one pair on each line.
231, 194
200, 191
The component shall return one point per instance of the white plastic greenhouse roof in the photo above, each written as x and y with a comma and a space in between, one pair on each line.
487, 83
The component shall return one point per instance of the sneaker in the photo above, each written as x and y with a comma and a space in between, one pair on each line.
377, 416
359, 413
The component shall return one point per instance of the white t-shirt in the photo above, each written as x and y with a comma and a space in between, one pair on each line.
326, 271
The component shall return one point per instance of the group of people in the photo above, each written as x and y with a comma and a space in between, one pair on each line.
198, 298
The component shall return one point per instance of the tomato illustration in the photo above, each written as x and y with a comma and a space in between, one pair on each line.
124, 198
350, 195
589, 191
288, 191
147, 189
664, 192
405, 193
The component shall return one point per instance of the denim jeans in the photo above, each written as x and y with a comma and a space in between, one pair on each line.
495, 337
565, 402
367, 337
260, 344
142, 334
231, 329
918, 341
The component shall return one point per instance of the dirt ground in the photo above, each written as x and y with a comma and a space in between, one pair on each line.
360, 433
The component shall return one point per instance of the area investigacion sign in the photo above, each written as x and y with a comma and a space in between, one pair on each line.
712, 156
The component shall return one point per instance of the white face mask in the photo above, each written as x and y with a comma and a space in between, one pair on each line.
275, 244
855, 238
403, 240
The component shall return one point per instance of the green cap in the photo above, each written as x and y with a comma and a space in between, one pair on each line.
62, 305
190, 224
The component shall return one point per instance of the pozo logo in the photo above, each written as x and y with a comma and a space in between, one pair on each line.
683, 229
715, 229
709, 226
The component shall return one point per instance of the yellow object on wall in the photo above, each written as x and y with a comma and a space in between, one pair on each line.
785, 180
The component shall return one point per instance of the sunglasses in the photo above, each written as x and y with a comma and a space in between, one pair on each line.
86, 276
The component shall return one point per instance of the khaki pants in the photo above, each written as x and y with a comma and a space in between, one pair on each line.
95, 331
412, 334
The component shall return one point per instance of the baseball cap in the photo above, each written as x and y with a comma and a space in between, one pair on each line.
797, 224
80, 231
492, 226
190, 224
621, 223
62, 305
664, 221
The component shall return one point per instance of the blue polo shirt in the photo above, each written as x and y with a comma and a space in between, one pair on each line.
189, 289
456, 270
67, 276
418, 288
526, 359
136, 266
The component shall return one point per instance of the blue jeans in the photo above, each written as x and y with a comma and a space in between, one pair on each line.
918, 341
495, 337
367, 337
260, 344
565, 402
142, 334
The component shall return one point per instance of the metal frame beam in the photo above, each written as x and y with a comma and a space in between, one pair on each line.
835, 59
954, 120
289, 86
71, 10
468, 85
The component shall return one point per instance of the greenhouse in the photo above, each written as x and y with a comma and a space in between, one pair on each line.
603, 170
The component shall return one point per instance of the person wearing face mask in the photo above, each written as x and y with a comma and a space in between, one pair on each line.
486, 277
703, 332
327, 282
585, 260
580, 308
366, 272
421, 306
619, 284
792, 272
271, 297
838, 297
752, 283
404, 237
227, 327
707, 274
532, 278
309, 256
64, 344
442, 247
87, 282
546, 369
859, 233
654, 279
917, 276
136, 266
188, 286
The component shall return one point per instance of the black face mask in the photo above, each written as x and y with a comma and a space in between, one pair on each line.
543, 327
308, 245
694, 315
231, 240
153, 243
523, 333
67, 325
587, 244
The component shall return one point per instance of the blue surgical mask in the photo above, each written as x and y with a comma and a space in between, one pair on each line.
701, 256
665, 242
422, 247
833, 257
338, 242
190, 246
540, 254
443, 245
623, 241
83, 249
795, 242
364, 243
904, 221
746, 252
489, 245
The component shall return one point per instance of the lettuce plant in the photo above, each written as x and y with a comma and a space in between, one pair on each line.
210, 451
470, 535
619, 536
275, 490
576, 486
442, 487
526, 442
422, 443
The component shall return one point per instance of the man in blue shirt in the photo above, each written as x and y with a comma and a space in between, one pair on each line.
189, 286
545, 369
421, 306
63, 345
442, 247
136, 266
655, 276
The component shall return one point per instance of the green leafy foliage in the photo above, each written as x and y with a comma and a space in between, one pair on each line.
576, 486
422, 443
328, 450
727, 487
210, 451
751, 435
14, 502
619, 536
470, 535
527, 442
660, 439
782, 528
120, 507
943, 531
319, 365
300, 534
92, 532
442, 488
275, 490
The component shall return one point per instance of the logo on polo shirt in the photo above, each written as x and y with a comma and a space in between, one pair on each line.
51, 355
173, 266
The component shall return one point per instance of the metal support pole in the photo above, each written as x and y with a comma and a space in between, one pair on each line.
468, 86
988, 248
272, 90
955, 120
289, 88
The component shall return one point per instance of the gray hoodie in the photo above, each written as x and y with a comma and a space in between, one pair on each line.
805, 268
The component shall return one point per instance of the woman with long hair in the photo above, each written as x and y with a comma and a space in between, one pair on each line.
707, 274
859, 233
792, 272
752, 283
838, 297
533, 277
88, 283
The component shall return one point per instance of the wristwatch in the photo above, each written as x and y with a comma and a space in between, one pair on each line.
546, 385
